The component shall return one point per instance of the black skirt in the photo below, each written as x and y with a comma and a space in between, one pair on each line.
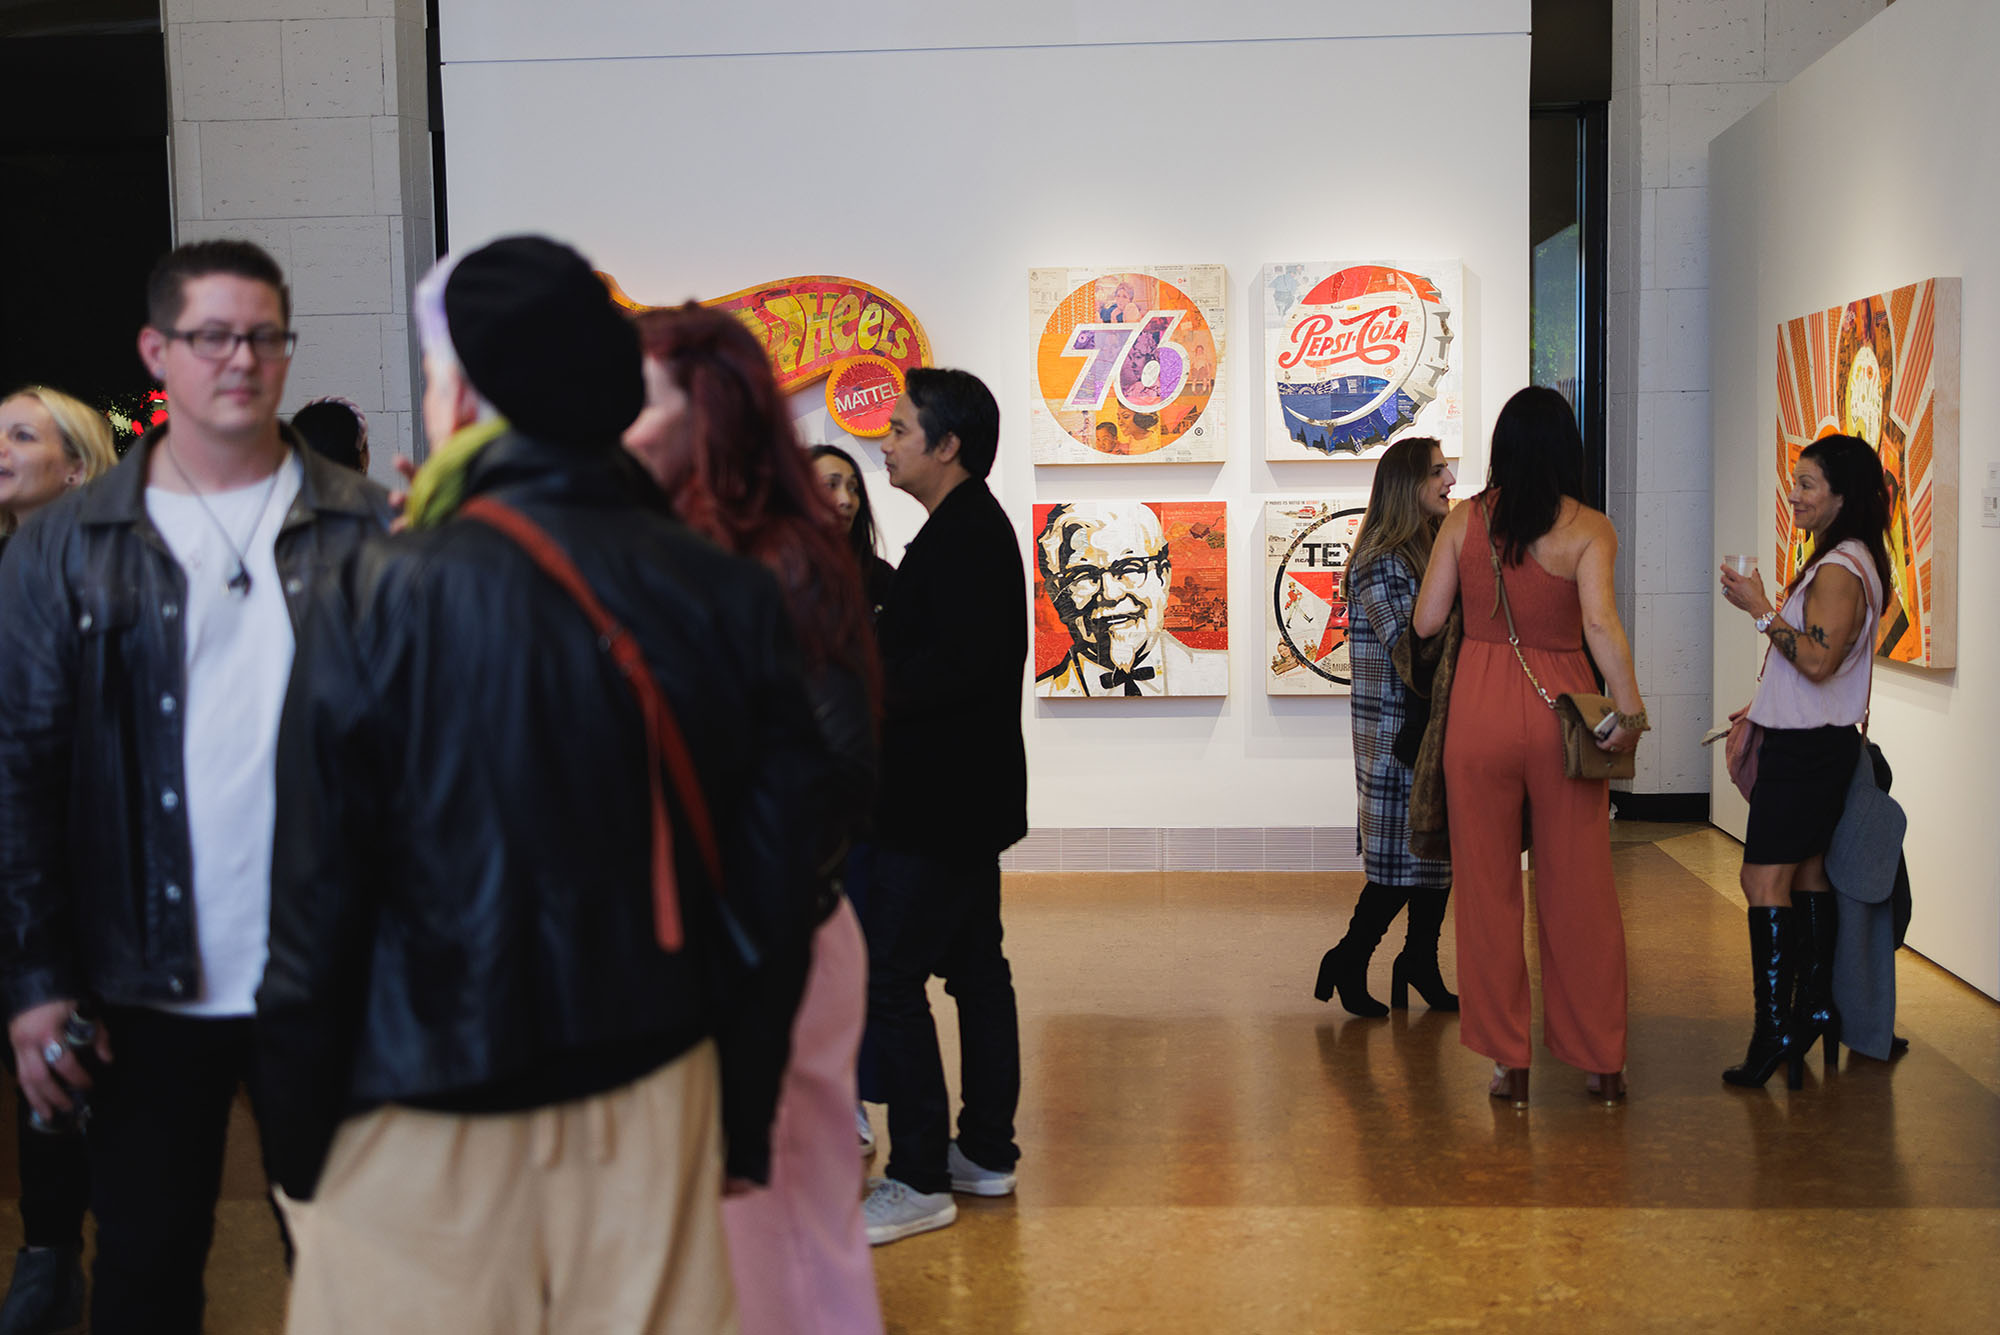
1802, 778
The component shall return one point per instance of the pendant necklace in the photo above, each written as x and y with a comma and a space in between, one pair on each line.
239, 578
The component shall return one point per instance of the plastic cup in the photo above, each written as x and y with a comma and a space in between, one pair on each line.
1741, 566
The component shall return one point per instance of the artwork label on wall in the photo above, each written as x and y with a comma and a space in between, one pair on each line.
1885, 368
1131, 598
1306, 548
1358, 354
1128, 364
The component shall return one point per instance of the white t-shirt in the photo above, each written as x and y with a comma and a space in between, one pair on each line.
239, 661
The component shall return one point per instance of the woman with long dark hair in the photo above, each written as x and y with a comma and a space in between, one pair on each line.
1409, 500
841, 477
1813, 692
716, 436
1529, 534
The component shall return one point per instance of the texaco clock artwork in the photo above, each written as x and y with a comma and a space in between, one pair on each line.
1358, 354
1306, 547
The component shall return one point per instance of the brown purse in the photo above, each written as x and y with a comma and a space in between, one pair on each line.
1577, 712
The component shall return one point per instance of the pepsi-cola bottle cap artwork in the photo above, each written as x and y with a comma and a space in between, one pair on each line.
1359, 354
1128, 364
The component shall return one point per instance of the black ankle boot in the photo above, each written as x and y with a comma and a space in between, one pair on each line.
1814, 919
46, 1294
1417, 966
1345, 968
1771, 982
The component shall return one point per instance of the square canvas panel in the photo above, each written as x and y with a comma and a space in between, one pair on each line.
1131, 598
1885, 368
1359, 354
1306, 547
1128, 364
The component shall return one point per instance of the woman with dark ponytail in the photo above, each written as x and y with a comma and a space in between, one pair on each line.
1813, 692
1529, 537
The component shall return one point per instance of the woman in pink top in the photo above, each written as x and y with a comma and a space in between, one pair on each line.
717, 437
1813, 693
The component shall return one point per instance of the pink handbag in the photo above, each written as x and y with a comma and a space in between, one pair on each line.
1739, 752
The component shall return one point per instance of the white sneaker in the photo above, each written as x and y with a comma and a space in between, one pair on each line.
970, 1178
865, 1131
892, 1210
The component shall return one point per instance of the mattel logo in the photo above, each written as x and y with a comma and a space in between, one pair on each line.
862, 392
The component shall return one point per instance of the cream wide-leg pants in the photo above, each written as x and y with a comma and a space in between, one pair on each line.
596, 1217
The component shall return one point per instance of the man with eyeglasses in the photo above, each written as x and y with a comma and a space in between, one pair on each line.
954, 793
146, 635
1107, 571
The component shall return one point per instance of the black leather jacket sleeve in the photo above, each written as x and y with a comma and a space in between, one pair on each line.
38, 653
326, 862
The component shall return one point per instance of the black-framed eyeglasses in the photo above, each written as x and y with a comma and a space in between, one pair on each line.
1081, 582
216, 344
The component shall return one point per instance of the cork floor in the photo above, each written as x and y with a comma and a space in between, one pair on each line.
1207, 1149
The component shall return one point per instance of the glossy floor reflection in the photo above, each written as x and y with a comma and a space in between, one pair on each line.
1207, 1149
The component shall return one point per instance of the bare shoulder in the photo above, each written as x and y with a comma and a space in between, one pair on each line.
1455, 522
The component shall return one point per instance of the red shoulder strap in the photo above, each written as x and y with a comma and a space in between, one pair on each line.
665, 747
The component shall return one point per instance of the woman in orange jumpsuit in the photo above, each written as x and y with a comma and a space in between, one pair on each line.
1503, 755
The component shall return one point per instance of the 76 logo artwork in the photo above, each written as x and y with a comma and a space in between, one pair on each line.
1127, 365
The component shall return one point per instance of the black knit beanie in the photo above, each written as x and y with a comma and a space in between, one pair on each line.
541, 340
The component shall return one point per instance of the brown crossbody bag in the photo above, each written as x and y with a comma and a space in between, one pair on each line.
1578, 712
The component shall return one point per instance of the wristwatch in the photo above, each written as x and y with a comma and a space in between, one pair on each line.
1764, 622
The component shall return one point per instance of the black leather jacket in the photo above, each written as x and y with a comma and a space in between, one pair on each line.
95, 858
461, 913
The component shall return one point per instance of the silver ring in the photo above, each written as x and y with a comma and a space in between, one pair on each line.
52, 1051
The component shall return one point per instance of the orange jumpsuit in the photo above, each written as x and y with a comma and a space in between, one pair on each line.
1503, 754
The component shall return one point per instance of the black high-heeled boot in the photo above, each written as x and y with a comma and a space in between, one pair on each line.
1815, 918
1417, 966
1344, 969
1771, 983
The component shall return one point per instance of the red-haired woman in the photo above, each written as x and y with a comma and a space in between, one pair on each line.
716, 435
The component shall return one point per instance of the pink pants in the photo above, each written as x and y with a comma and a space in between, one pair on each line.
797, 1249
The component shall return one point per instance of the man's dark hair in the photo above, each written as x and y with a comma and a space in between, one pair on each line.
957, 403
166, 289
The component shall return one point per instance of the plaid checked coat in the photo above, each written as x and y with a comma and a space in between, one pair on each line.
1379, 602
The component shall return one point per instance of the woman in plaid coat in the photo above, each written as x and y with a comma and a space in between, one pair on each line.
1411, 496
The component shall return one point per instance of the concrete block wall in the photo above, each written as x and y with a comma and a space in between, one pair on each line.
303, 125
1683, 71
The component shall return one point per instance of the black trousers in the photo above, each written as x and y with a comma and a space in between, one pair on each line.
941, 915
159, 1117
55, 1181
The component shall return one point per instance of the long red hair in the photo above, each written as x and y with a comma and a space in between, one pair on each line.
733, 469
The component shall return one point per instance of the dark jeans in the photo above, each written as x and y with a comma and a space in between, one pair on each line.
55, 1179
941, 915
159, 1116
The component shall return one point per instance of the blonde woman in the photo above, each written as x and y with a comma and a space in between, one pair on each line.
49, 443
1410, 498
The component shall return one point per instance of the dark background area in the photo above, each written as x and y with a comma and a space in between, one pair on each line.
83, 149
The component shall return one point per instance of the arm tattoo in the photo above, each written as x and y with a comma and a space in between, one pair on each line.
1818, 636
1786, 639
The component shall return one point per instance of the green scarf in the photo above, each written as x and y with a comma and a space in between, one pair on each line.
438, 489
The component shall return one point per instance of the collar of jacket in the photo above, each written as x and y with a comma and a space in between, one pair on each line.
584, 471
119, 497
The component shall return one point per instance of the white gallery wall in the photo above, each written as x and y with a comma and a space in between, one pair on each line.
1874, 168
939, 151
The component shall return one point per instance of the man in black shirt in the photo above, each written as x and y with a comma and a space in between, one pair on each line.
954, 637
